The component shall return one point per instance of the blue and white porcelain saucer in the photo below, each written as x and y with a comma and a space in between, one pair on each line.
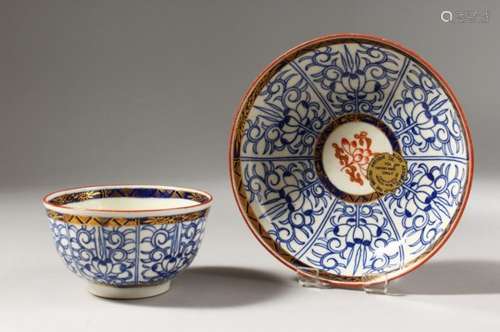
351, 155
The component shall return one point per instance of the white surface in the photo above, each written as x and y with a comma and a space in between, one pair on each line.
144, 91
336, 171
235, 285
166, 211
132, 203
127, 292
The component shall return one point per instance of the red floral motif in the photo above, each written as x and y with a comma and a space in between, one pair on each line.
354, 156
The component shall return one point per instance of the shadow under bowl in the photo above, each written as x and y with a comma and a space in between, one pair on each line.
128, 241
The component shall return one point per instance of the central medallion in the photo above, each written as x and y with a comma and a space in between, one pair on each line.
345, 151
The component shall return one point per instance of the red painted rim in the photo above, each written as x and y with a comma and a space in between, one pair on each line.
446, 88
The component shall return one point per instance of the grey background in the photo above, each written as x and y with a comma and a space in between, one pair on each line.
144, 92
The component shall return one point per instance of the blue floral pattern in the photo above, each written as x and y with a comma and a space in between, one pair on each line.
288, 120
291, 195
358, 238
126, 256
424, 204
422, 117
352, 77
280, 181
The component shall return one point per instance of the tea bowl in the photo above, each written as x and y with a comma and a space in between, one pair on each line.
127, 241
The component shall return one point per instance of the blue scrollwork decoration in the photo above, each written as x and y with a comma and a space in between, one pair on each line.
127, 256
279, 170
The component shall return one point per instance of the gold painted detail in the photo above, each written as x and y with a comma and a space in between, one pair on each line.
126, 192
79, 197
386, 172
248, 211
113, 222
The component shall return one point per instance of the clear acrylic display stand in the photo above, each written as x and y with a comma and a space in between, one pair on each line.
373, 283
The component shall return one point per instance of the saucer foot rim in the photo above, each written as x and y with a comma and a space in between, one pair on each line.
139, 292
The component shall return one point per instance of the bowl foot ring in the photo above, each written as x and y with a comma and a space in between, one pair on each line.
138, 292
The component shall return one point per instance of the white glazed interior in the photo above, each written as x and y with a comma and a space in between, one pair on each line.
128, 207
132, 203
334, 170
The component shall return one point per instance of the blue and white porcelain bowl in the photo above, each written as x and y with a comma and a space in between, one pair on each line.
127, 241
351, 156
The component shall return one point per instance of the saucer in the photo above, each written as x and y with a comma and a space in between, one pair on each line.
350, 155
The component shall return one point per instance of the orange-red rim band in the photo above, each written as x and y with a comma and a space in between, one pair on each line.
444, 85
